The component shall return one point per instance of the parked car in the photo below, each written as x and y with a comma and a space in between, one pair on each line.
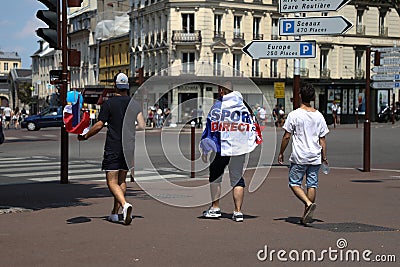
50, 117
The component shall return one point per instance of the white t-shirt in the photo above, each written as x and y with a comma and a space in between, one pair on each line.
306, 128
7, 112
262, 113
334, 107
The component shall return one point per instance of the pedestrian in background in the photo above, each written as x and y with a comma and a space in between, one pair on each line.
114, 164
200, 115
334, 108
308, 127
275, 115
7, 113
229, 148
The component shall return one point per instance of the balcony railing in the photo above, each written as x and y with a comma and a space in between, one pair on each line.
182, 36
304, 72
219, 35
274, 37
258, 36
360, 29
383, 31
237, 36
325, 74
359, 74
188, 68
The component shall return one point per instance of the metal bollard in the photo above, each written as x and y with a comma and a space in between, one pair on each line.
192, 147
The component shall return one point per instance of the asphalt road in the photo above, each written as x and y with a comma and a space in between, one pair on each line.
345, 146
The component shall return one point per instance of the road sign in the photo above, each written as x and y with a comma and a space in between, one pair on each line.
293, 6
390, 54
380, 85
386, 69
279, 89
280, 49
390, 61
385, 77
314, 26
387, 49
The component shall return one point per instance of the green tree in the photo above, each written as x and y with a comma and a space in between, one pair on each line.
25, 94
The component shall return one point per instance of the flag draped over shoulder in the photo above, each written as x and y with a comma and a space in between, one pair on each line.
73, 121
231, 129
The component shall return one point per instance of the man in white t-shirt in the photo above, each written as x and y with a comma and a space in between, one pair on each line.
7, 112
308, 127
262, 114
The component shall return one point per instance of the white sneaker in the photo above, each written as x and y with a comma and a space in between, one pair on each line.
212, 213
127, 213
237, 216
113, 218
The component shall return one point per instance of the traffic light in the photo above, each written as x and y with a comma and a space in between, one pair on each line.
51, 18
139, 77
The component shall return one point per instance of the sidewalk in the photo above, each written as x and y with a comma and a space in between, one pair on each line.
64, 225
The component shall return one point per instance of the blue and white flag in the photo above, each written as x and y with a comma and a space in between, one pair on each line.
230, 128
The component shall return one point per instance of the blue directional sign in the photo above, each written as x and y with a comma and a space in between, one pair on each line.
381, 85
314, 26
280, 49
385, 77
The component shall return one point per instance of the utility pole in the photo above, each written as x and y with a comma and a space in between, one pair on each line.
63, 93
296, 76
367, 122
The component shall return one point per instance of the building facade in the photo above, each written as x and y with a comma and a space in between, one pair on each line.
181, 36
8, 61
184, 34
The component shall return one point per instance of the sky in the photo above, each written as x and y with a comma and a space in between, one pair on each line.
18, 24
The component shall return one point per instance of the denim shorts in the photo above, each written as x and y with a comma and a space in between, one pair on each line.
297, 172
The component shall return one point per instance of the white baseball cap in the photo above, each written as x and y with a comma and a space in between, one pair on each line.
121, 81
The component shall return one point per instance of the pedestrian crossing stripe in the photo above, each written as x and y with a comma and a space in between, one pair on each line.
17, 170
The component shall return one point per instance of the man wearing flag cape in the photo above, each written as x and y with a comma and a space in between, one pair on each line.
231, 132
114, 164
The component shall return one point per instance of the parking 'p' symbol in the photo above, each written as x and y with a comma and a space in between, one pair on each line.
306, 49
288, 26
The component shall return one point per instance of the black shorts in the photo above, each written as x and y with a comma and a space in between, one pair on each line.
235, 165
114, 161
8, 118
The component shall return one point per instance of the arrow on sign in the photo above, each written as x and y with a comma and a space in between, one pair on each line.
379, 85
386, 69
385, 77
390, 61
390, 54
314, 26
387, 49
294, 6
280, 49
